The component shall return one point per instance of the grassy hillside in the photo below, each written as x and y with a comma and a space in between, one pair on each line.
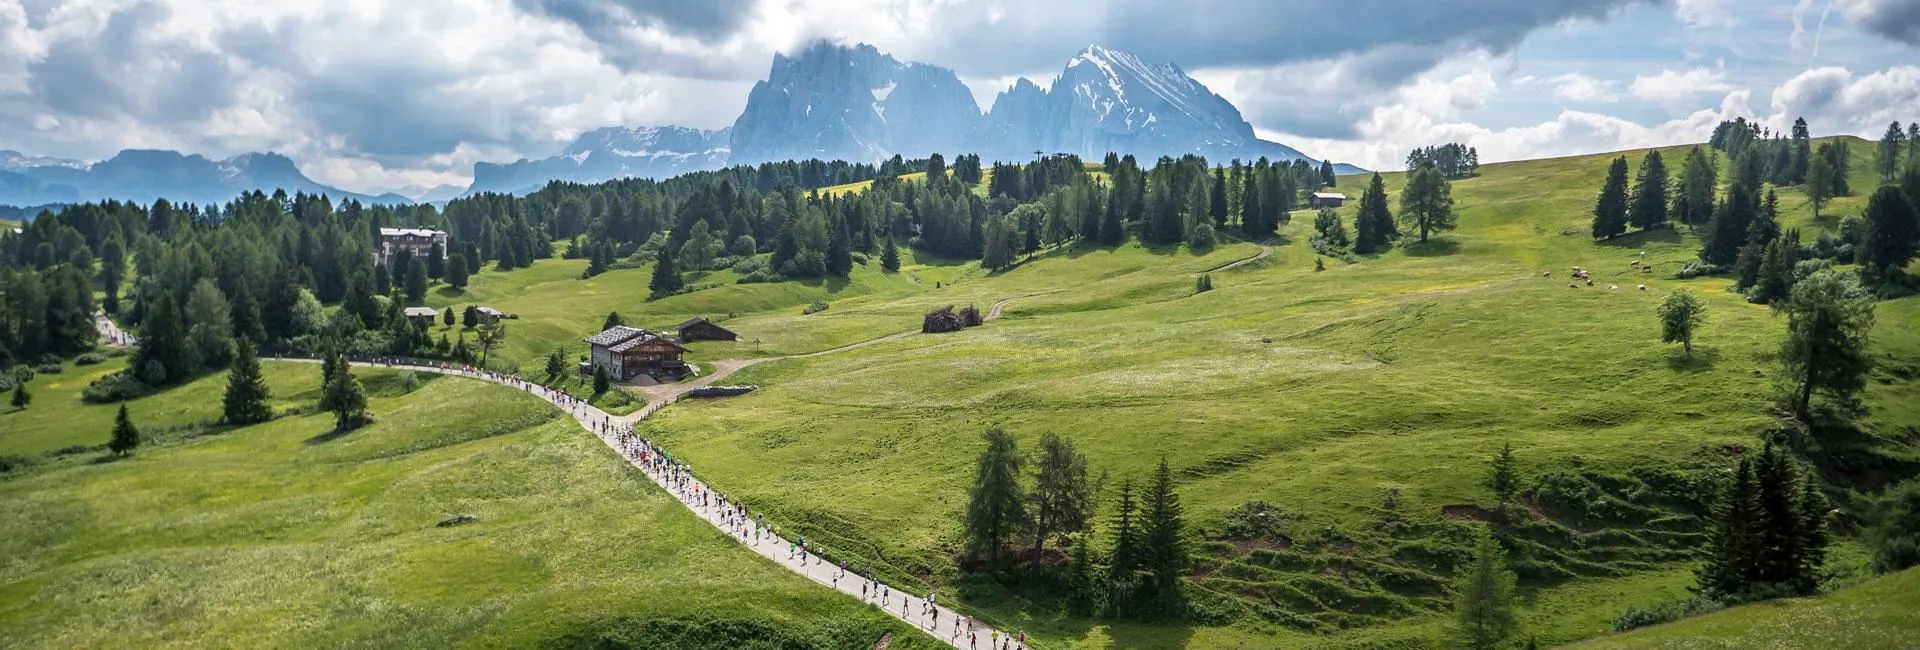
1876, 615
276, 536
1317, 392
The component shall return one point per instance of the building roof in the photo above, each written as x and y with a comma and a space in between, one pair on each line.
410, 232
490, 311
690, 322
1329, 195
644, 338
422, 311
615, 335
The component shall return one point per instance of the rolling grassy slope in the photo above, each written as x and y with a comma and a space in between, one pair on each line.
1872, 616
276, 536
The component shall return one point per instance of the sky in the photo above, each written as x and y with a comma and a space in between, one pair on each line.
371, 96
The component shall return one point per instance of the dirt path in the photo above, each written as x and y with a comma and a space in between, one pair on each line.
936, 622
1265, 251
994, 311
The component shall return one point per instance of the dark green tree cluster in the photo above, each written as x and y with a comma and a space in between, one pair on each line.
1454, 160
1784, 160
1768, 536
1149, 551
1644, 205
1373, 223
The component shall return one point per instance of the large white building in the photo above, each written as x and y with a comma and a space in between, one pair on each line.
418, 240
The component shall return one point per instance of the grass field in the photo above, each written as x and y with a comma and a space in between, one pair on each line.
1877, 615
277, 536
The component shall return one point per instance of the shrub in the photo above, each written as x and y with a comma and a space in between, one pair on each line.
1636, 617
6, 382
1894, 534
814, 308
750, 265
119, 386
859, 258
90, 358
1700, 268
50, 369
22, 374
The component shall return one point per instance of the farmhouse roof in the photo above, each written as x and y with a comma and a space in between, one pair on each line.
409, 232
415, 312
1329, 195
643, 338
615, 335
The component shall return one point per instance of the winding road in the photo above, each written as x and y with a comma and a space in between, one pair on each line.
615, 431
1265, 251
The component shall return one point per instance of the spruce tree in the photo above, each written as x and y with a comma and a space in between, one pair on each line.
1217, 198
246, 398
457, 269
1732, 557
1326, 173
1813, 534
436, 261
613, 320
1112, 225
1778, 530
1124, 563
666, 280
890, 256
601, 382
163, 343
1252, 215
1373, 222
126, 437
447, 317
341, 394
1776, 269
1647, 208
1502, 480
840, 249
1610, 210
1693, 195
416, 280
556, 365
21, 398
1889, 235
996, 507
1164, 540
1483, 599
1892, 144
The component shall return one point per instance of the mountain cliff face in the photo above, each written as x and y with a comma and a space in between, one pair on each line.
144, 175
1108, 100
852, 103
610, 153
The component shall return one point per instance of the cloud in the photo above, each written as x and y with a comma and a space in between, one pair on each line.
1705, 13
1670, 87
1834, 100
1897, 20
1577, 87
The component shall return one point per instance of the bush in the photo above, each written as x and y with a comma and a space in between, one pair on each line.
1894, 533
859, 258
808, 264
814, 308
1635, 617
1700, 268
750, 265
119, 386
6, 382
50, 369
90, 358
22, 374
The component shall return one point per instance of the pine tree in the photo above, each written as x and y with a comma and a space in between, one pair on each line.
1802, 152
1776, 269
995, 505
1892, 144
416, 281
1326, 174
246, 398
1813, 534
1610, 211
1112, 225
890, 256
1483, 599
1825, 351
613, 320
163, 343
1252, 216
1648, 205
1819, 184
839, 249
437, 261
447, 317
1680, 314
601, 382
21, 398
126, 437
666, 281
1732, 557
1778, 530
1693, 195
1502, 480
1427, 201
1889, 236
341, 395
1124, 563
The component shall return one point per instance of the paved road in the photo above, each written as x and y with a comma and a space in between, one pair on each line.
937, 622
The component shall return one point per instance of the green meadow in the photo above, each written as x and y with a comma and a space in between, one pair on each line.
276, 535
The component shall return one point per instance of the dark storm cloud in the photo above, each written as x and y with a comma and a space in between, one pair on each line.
1897, 20
113, 75
605, 22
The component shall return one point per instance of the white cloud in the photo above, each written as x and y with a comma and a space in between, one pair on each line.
1835, 101
1577, 87
1671, 87
1705, 13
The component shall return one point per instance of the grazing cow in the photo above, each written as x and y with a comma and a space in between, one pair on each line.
1643, 287
1589, 283
1633, 263
1546, 274
1612, 287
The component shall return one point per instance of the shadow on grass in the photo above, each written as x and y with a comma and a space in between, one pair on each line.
1640, 238
1431, 248
1702, 360
110, 457
448, 291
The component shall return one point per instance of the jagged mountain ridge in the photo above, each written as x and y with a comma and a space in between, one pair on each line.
852, 103
144, 175
609, 153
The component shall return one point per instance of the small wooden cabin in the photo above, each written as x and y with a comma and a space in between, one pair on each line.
701, 329
1325, 200
628, 352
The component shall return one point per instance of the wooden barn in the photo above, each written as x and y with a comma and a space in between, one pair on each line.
701, 329
628, 352
1325, 200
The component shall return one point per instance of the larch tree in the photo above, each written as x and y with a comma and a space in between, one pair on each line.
1610, 210
1427, 201
1825, 351
996, 506
1062, 499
